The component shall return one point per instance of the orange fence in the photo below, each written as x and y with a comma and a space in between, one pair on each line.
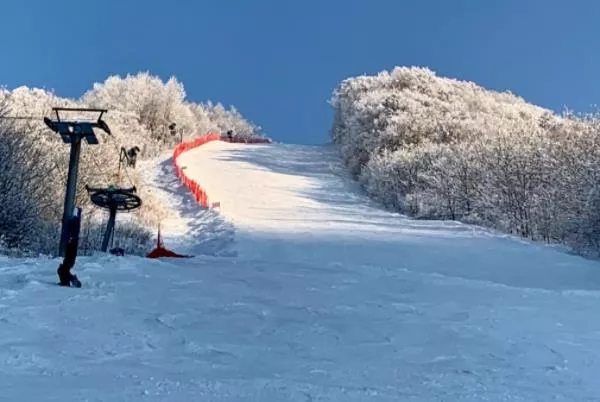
199, 194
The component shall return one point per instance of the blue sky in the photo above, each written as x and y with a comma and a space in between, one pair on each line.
278, 61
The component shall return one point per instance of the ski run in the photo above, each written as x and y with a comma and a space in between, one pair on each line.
301, 289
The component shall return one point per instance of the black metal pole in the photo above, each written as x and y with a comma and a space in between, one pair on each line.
110, 228
70, 192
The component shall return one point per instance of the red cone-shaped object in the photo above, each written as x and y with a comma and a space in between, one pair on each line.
161, 251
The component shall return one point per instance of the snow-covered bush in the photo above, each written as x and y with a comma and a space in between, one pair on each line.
24, 204
441, 148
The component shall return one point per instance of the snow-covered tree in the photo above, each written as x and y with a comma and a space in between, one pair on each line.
446, 149
23, 186
154, 103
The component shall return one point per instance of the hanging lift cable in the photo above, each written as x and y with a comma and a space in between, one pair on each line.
30, 117
24, 117
20, 118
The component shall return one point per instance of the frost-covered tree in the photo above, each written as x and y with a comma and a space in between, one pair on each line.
23, 186
441, 148
150, 106
153, 103
223, 120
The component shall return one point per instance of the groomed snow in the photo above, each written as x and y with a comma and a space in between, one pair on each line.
296, 203
319, 296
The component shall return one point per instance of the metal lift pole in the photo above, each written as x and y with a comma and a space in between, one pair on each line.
69, 206
110, 228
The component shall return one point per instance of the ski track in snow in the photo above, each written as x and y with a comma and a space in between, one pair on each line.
319, 296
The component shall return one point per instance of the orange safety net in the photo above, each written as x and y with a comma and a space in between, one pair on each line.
199, 194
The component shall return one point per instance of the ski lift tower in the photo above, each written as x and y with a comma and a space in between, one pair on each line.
72, 132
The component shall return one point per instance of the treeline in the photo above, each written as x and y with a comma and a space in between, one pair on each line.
439, 148
33, 159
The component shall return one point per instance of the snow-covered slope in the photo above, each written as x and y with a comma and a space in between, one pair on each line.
320, 296
295, 203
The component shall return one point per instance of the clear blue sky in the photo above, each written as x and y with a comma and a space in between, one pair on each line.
278, 61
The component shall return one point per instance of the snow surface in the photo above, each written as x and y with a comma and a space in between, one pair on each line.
302, 290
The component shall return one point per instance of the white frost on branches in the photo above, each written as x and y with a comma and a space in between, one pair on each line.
440, 148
